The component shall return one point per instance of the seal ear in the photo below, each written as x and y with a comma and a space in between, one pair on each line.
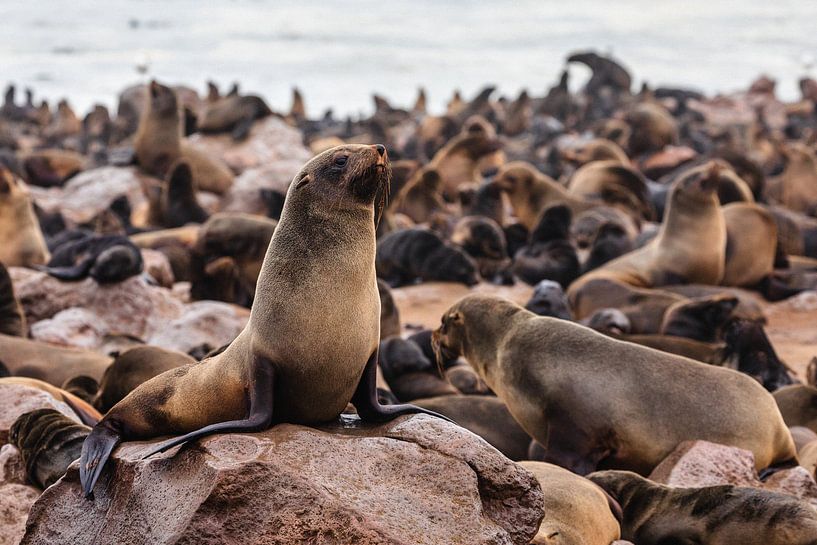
456, 317
302, 181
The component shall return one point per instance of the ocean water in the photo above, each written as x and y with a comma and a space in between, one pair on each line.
339, 53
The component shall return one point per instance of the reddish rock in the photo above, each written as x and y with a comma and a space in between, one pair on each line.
202, 322
158, 267
15, 502
695, 464
416, 479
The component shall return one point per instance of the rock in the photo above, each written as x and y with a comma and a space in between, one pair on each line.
416, 479
158, 267
15, 502
202, 322
90, 192
77, 327
16, 399
12, 468
695, 464
803, 302
131, 307
270, 140
244, 195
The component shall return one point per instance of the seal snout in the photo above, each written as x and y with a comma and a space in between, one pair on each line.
381, 149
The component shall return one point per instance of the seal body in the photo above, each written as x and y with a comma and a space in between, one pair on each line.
583, 395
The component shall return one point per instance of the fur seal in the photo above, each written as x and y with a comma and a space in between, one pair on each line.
409, 373
133, 367
655, 514
796, 187
614, 184
421, 197
549, 254
21, 240
747, 342
700, 319
690, 245
651, 128
242, 237
106, 259
751, 244
158, 143
389, 313
575, 390
484, 240
485, 416
286, 365
458, 161
12, 319
175, 203
48, 442
549, 299
234, 114
576, 509
798, 405
51, 167
50, 363
403, 257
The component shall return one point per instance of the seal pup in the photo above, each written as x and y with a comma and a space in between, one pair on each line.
48, 442
286, 365
575, 390
404, 257
655, 514
234, 114
106, 259
21, 240
577, 511
409, 373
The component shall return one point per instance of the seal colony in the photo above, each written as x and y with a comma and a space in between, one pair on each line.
588, 281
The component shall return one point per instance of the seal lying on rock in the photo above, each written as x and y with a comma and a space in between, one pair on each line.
106, 259
314, 323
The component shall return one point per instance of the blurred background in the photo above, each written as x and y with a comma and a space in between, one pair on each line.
339, 52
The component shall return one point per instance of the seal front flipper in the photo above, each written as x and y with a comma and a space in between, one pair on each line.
369, 408
259, 417
96, 450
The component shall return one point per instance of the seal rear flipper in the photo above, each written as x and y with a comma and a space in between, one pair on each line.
258, 419
369, 408
77, 272
96, 450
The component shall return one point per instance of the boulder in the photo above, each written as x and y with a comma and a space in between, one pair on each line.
92, 191
202, 322
16, 496
245, 193
158, 267
695, 464
416, 479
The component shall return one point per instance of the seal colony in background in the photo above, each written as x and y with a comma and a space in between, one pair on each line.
615, 256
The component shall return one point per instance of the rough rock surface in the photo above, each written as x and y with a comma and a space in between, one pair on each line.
90, 192
16, 496
244, 195
158, 267
270, 140
16, 399
414, 480
81, 314
700, 463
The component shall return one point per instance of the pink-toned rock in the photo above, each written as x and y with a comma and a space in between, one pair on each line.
244, 195
15, 502
90, 192
77, 327
16, 399
12, 468
158, 267
202, 322
270, 140
132, 307
414, 480
695, 464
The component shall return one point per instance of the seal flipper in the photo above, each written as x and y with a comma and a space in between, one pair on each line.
96, 450
258, 419
369, 408
242, 129
77, 272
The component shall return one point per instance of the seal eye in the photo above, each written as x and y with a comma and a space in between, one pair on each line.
340, 160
